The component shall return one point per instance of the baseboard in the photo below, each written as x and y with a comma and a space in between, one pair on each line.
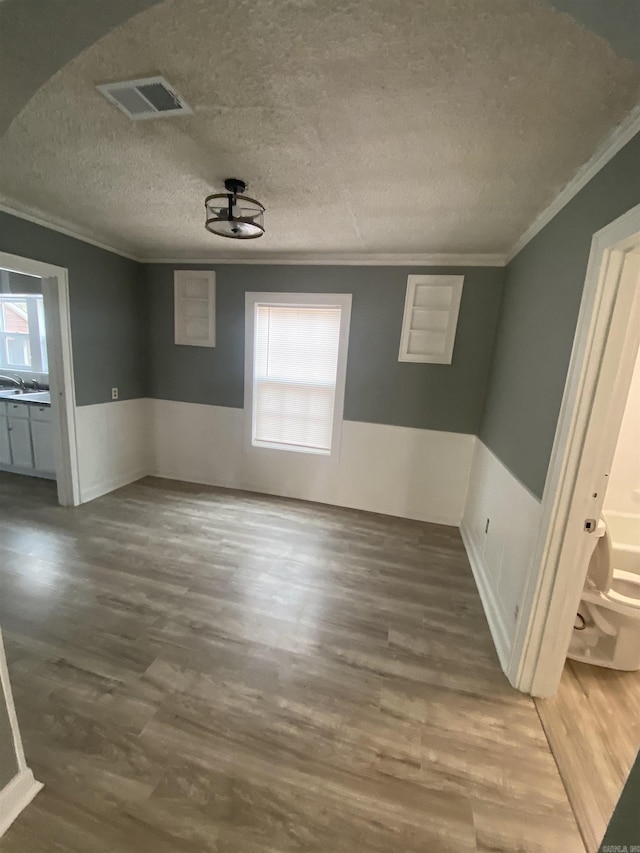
489, 602
198, 479
28, 472
16, 796
90, 493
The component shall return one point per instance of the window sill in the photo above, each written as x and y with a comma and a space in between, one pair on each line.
291, 448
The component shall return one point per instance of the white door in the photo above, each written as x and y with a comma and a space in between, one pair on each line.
42, 438
20, 438
5, 447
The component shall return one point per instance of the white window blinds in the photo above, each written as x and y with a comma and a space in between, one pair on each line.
295, 368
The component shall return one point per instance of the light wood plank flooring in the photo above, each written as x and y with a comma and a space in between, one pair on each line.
593, 727
202, 670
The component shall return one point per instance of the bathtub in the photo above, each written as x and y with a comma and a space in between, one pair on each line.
624, 531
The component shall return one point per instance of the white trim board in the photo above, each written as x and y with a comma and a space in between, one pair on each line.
55, 291
113, 445
615, 142
16, 796
5, 691
492, 610
499, 528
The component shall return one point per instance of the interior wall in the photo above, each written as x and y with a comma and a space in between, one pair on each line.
379, 388
108, 311
623, 490
534, 338
408, 429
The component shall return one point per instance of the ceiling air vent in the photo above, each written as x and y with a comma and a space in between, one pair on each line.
151, 97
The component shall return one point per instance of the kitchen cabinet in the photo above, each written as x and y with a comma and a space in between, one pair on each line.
20, 441
5, 447
42, 439
26, 439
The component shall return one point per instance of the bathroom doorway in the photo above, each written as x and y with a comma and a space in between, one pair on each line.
592, 724
40, 433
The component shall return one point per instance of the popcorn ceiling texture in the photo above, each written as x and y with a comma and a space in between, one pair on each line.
363, 126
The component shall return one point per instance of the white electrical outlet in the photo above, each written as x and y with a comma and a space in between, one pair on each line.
114, 393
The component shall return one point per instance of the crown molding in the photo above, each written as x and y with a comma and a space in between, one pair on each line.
61, 227
622, 134
282, 258
343, 260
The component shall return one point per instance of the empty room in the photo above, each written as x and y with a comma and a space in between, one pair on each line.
319, 426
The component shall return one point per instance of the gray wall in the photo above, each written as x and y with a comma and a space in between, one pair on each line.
379, 389
538, 318
8, 760
108, 318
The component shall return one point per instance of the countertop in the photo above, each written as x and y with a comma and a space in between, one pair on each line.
35, 398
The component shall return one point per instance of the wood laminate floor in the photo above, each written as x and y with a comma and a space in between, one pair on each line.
202, 670
593, 727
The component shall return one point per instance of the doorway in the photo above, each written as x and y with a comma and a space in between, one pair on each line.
56, 356
592, 723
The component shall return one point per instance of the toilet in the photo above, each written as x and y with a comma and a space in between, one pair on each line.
607, 626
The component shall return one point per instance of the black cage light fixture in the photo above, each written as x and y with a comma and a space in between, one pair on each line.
233, 214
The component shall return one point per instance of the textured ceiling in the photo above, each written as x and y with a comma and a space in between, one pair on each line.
363, 125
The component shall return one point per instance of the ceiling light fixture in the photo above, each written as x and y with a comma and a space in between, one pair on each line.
233, 214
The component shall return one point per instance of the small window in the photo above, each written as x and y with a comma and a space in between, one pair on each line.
295, 369
23, 345
195, 307
430, 318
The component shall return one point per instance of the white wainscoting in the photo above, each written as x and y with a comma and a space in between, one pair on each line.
113, 445
413, 473
501, 557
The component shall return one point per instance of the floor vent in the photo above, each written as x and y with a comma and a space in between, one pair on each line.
151, 97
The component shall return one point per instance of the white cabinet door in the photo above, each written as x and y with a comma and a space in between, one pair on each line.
42, 438
20, 438
5, 447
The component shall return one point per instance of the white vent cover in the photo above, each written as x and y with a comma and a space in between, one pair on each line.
151, 97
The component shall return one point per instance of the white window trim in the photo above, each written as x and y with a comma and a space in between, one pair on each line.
453, 281
341, 300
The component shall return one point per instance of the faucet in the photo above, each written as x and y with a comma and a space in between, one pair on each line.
13, 380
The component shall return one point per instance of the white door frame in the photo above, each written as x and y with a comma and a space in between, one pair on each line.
55, 289
593, 402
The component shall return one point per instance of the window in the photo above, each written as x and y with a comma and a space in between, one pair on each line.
23, 345
295, 369
430, 318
